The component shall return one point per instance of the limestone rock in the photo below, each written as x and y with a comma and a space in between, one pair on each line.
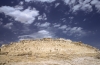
48, 51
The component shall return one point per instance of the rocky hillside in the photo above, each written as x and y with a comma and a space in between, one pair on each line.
48, 51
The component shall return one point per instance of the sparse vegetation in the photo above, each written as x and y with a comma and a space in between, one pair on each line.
98, 56
24, 54
2, 63
3, 53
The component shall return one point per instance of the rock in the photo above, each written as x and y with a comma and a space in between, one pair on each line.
48, 51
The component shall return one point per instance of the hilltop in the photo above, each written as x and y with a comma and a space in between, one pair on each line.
48, 51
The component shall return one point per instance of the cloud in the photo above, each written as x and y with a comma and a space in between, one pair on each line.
49, 1
63, 27
73, 2
75, 5
46, 24
57, 4
18, 7
70, 31
83, 5
80, 1
39, 34
71, 17
26, 16
28, 0
8, 25
1, 21
67, 1
56, 25
77, 31
26, 29
21, 3
42, 17
98, 7
76, 8
86, 1
86, 8
96, 3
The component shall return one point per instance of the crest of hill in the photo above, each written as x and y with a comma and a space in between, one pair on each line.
48, 46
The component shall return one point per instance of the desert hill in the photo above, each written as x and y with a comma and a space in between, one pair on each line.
48, 51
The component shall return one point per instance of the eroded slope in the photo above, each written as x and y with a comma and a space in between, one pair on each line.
46, 50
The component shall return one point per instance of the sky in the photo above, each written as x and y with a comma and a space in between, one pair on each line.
77, 20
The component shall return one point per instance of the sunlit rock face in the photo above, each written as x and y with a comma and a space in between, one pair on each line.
48, 51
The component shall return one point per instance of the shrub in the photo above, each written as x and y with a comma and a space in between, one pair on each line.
3, 53
23, 54
2, 63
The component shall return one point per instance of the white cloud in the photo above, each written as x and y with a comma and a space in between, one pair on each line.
75, 31
39, 34
96, 3
98, 7
81, 1
86, 8
86, 1
71, 17
18, 7
76, 8
1, 21
42, 17
21, 3
73, 1
8, 25
27, 0
57, 4
46, 24
26, 29
71, 31
67, 1
56, 25
63, 27
49, 1
83, 5
43, 32
26, 16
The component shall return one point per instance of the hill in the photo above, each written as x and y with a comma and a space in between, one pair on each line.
48, 51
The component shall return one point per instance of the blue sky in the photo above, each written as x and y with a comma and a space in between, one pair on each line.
78, 20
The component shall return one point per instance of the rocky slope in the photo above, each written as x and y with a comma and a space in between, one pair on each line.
48, 51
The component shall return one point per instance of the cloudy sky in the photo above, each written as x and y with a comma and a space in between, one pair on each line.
78, 20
